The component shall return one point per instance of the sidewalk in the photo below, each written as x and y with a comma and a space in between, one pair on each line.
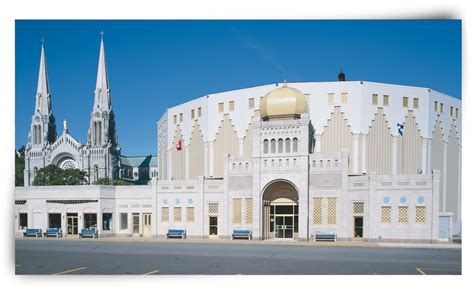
278, 242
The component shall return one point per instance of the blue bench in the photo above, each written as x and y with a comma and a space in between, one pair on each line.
36, 232
325, 236
181, 233
54, 231
94, 233
242, 234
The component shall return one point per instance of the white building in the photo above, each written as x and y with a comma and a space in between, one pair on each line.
364, 160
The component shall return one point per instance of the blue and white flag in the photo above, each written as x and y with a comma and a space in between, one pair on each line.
400, 129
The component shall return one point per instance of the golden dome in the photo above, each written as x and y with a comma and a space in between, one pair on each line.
283, 102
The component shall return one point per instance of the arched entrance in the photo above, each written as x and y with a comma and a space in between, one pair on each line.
280, 210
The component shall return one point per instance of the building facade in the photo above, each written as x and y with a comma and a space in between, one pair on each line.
363, 160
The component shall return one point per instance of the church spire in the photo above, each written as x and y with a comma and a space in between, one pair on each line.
43, 96
102, 89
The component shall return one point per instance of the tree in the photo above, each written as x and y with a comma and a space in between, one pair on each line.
53, 175
103, 181
19, 166
123, 183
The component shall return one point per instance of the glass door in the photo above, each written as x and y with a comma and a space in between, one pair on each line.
213, 225
146, 224
135, 224
283, 226
72, 224
358, 227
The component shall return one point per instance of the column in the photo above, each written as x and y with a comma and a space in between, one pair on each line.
445, 175
211, 159
317, 146
241, 146
423, 154
355, 158
206, 159
428, 163
364, 152
394, 154
186, 162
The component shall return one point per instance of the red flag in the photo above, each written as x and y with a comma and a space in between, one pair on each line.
179, 145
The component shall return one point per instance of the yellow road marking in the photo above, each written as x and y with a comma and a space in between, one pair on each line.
70, 271
420, 271
152, 272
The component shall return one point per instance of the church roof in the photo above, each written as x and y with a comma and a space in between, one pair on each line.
139, 161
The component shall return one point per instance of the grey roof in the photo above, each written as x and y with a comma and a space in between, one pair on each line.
139, 161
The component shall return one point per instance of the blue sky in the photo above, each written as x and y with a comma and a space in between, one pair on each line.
154, 65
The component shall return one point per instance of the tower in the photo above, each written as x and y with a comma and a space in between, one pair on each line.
102, 145
43, 127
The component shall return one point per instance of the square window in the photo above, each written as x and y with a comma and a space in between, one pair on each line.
436, 106
190, 214
192, 113
123, 221
405, 101
199, 111
375, 98
415, 102
165, 214
403, 214
386, 216
251, 103
358, 207
177, 214
386, 100
441, 107
420, 215
344, 98
220, 107
181, 117
331, 98
231, 105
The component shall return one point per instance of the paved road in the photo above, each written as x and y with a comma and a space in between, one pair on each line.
52, 256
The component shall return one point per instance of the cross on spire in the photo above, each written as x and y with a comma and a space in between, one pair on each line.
102, 34
42, 41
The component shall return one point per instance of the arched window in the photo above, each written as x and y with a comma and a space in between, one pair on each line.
99, 125
280, 145
287, 145
265, 146
295, 145
273, 146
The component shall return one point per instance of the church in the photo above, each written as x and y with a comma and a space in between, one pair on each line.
361, 160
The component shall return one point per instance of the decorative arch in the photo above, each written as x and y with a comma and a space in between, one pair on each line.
226, 143
177, 156
337, 135
196, 153
411, 146
379, 145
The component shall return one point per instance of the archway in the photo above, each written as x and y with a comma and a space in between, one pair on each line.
280, 210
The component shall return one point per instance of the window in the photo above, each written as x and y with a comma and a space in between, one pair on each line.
165, 214
213, 208
177, 214
331, 98
199, 111
358, 207
386, 214
287, 145
420, 214
436, 106
317, 210
231, 105
181, 117
190, 214
441, 107
192, 113
106, 221
416, 102
295, 145
375, 99
457, 112
175, 119
405, 101
220, 107
237, 211
90, 221
451, 111
386, 100
280, 145
344, 98
332, 210
273, 146
265, 146
248, 210
251, 103
123, 221
23, 220
403, 214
